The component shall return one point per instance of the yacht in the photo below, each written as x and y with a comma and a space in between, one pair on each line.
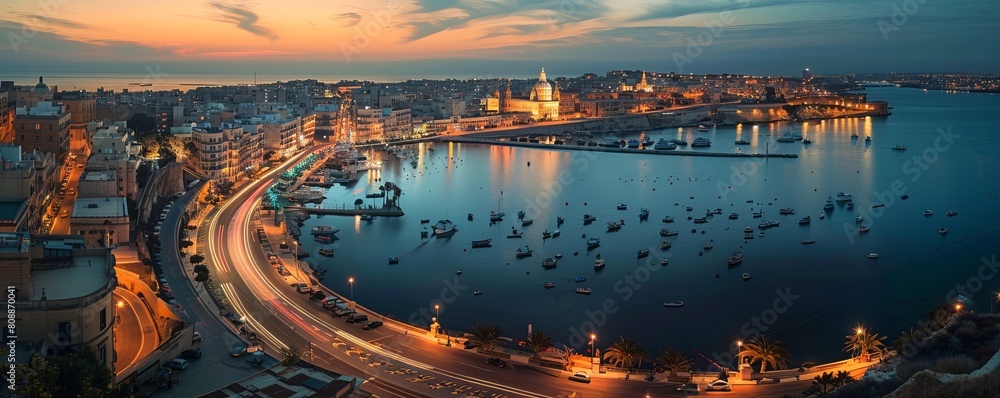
873, 255
735, 259
559, 255
525, 252
928, 213
367, 217
589, 218
668, 219
807, 141
481, 243
324, 230
646, 142
622, 206
477, 292
673, 304
829, 203
668, 232
593, 242
614, 226
787, 137
822, 214
555, 233
549, 285
599, 263
632, 144
326, 252
807, 242
306, 193
664, 145
943, 231
664, 245
701, 142
844, 197
380, 194
758, 214
805, 220
786, 211
701, 220
583, 290
679, 142
664, 262
951, 213
444, 229
899, 147
549, 262
742, 142
642, 253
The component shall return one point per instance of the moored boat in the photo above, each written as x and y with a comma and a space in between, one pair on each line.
701, 142
593, 242
549, 285
664, 145
673, 304
668, 219
326, 251
583, 290
642, 253
614, 226
943, 231
786, 211
951, 213
735, 259
525, 252
668, 232
587, 218
807, 242
549, 262
873, 255
622, 206
928, 213
899, 147
742, 142
579, 279
643, 213
481, 243
444, 229
324, 230
805, 220
664, 245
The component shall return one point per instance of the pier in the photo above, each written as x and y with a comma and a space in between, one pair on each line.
617, 150
345, 210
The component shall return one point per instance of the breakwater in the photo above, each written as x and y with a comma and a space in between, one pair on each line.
616, 150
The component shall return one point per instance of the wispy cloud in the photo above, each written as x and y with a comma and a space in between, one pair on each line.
347, 19
243, 18
39, 20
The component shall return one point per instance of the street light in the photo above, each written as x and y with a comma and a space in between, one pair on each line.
958, 307
739, 350
351, 281
437, 311
996, 299
592, 337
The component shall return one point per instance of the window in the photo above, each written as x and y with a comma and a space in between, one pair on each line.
102, 353
38, 126
104, 318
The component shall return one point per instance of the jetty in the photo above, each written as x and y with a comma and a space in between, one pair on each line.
617, 150
388, 208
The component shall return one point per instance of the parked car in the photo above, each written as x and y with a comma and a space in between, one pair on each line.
581, 377
496, 362
689, 387
191, 354
177, 364
355, 318
344, 312
318, 295
718, 385
238, 350
767, 380
372, 325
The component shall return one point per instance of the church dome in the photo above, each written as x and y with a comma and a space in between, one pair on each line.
542, 90
41, 87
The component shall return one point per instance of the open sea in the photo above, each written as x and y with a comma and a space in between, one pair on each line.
807, 296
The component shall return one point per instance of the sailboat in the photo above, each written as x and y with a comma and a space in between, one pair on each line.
497, 216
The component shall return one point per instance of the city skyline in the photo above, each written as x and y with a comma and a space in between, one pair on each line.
470, 38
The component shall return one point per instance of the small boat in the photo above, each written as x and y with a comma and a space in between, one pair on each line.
868, 138
807, 141
477, 292
525, 223
593, 242
546, 234
850, 205
805, 220
367, 217
904, 197
899, 147
844, 197
560, 220
862, 229
943, 231
514, 234
523, 252
786, 211
807, 242
326, 251
673, 304
470, 217
822, 214
444, 229
587, 218
555, 233
393, 260
599, 264
748, 230
642, 253
746, 276
679, 142
425, 221
664, 245
622, 206
459, 272
549, 262
951, 213
859, 219
928, 213
787, 137
758, 214
559, 255
324, 230
643, 213
668, 232
689, 208
324, 239
481, 243
494, 217
375, 195
668, 219
702, 127
734, 216
761, 233
701, 220
520, 214
735, 259
854, 136
583, 290
873, 255
579, 279
708, 246
614, 226
549, 285
742, 142
748, 235
663, 262
876, 205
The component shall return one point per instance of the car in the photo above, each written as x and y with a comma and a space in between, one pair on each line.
372, 325
177, 364
357, 318
64, 214
238, 350
344, 312
191, 354
318, 295
196, 338
496, 362
767, 380
333, 299
718, 385
234, 318
689, 387
299, 286
581, 377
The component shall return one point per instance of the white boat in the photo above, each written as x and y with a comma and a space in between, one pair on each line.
559, 255
555, 233
664, 245
622, 206
701, 142
664, 145
643, 213
324, 230
829, 203
593, 242
583, 290
549, 262
614, 226
844, 197
444, 229
746, 276
951, 213
943, 231
642, 253
306, 193
873, 255
735, 259
549, 285
599, 263
673, 304
702, 127
668, 219
668, 232
928, 213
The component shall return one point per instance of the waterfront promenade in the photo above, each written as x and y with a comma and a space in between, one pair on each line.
469, 140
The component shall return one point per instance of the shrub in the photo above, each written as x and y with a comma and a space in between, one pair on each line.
957, 364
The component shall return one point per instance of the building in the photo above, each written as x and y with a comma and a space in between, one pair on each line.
382, 124
27, 184
115, 150
301, 380
227, 153
98, 184
82, 110
6, 118
326, 121
282, 136
44, 127
29, 96
63, 295
542, 103
102, 219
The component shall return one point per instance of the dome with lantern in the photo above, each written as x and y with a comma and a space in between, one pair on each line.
542, 91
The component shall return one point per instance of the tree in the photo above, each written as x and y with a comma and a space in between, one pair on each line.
624, 353
79, 374
197, 258
151, 144
538, 342
767, 352
568, 357
358, 203
864, 344
824, 383
185, 244
843, 378
674, 361
487, 336
141, 123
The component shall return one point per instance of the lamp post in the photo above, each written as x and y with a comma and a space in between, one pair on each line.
858, 332
739, 351
592, 352
995, 299
437, 311
351, 281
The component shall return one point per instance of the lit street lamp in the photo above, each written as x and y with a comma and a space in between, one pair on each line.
592, 352
993, 300
739, 350
351, 281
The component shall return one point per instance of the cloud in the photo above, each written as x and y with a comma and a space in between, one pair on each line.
243, 18
347, 19
42, 22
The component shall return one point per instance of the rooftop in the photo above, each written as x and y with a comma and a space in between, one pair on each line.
9, 209
43, 108
296, 381
104, 175
11, 242
100, 207
87, 275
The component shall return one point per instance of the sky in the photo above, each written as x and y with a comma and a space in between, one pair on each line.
496, 38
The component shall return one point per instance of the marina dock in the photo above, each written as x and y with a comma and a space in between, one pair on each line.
571, 147
346, 210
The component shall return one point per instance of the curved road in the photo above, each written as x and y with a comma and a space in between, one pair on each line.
392, 361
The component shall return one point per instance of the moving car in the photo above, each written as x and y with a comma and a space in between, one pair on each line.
581, 377
496, 362
718, 385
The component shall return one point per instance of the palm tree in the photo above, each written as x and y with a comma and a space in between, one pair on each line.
625, 353
824, 382
842, 378
864, 344
487, 336
767, 352
538, 342
673, 360
906, 338
568, 358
